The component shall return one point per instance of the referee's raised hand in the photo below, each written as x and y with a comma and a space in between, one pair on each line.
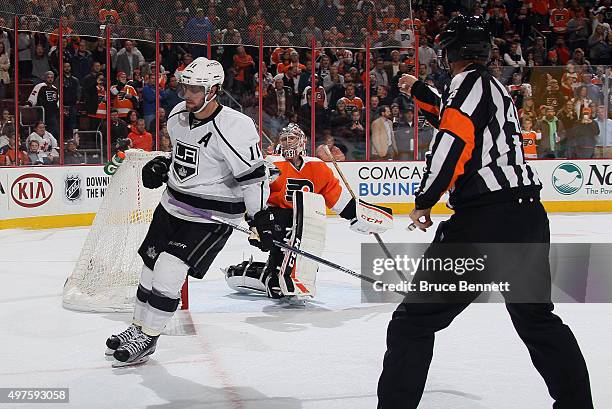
406, 81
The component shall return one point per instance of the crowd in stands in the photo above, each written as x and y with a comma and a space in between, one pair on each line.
553, 57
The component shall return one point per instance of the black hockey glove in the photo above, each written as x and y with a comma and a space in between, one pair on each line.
262, 225
155, 172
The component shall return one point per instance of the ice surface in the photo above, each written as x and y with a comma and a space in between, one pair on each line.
252, 353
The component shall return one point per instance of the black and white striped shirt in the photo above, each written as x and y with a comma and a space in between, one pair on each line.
477, 153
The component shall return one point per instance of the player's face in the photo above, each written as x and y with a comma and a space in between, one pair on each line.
193, 95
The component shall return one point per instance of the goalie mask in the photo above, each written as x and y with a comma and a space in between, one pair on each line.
292, 141
200, 76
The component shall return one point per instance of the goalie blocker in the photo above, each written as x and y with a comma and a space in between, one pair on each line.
288, 274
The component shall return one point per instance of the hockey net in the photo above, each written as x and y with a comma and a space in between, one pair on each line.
106, 275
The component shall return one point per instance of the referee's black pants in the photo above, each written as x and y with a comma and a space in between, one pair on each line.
551, 344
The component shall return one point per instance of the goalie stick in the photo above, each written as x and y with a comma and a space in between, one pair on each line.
208, 216
348, 187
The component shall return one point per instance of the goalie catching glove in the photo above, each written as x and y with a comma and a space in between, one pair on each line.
370, 218
155, 172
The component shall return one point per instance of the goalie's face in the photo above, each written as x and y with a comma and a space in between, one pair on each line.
292, 145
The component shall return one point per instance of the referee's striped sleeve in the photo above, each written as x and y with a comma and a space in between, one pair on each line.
454, 144
428, 100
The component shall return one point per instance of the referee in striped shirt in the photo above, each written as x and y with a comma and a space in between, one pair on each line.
477, 156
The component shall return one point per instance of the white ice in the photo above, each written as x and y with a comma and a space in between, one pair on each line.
251, 353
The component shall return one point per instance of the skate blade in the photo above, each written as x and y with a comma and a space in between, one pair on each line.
140, 361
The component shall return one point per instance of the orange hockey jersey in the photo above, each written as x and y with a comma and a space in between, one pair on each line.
314, 176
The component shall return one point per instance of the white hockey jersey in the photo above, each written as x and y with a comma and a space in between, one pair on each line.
217, 164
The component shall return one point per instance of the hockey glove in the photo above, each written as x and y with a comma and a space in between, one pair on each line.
371, 218
155, 172
261, 226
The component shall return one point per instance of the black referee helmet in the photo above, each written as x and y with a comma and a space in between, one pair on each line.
466, 38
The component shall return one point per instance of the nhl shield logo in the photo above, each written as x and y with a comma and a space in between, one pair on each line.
185, 161
72, 188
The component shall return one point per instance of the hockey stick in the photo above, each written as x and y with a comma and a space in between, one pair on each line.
208, 216
348, 187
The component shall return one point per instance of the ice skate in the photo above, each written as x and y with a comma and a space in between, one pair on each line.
136, 351
115, 341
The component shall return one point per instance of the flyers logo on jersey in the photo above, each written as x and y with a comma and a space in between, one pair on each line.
185, 161
304, 185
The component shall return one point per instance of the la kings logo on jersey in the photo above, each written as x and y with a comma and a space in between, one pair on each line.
304, 185
186, 158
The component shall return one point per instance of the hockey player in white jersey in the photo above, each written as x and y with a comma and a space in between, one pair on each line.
216, 165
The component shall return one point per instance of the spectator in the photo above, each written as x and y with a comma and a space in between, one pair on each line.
578, 58
559, 18
40, 64
72, 94
304, 115
380, 74
141, 139
5, 65
584, 137
47, 143
82, 61
169, 97
513, 57
13, 156
603, 147
197, 31
552, 95
35, 156
244, 66
496, 58
165, 144
47, 97
311, 30
124, 96
340, 119
578, 32
530, 139
89, 88
277, 105
268, 80
568, 116
599, 49
7, 123
328, 14
294, 61
405, 136
328, 140
561, 50
119, 129
96, 103
384, 146
25, 44
71, 155
553, 135
356, 129
127, 59
594, 92
581, 100
149, 103
334, 85
539, 52
171, 53
351, 101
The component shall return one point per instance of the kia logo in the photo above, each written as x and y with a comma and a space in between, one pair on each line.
31, 190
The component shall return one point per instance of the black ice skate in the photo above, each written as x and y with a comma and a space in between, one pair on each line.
115, 341
135, 351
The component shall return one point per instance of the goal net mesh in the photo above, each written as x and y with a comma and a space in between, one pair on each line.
106, 275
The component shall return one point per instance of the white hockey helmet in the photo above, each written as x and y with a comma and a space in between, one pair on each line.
292, 141
202, 73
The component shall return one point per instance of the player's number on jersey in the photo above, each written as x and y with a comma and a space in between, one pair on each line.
255, 152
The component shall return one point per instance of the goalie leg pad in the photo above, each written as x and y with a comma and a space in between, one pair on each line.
168, 278
246, 277
297, 273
